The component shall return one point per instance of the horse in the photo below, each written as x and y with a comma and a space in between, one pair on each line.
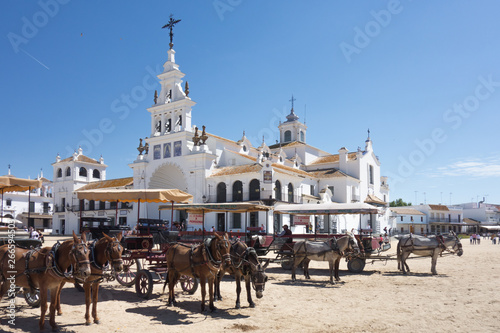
202, 261
244, 262
331, 251
104, 252
44, 269
432, 246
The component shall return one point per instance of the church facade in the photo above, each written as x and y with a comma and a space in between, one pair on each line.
177, 154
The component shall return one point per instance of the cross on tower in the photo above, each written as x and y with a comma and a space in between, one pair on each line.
170, 25
292, 100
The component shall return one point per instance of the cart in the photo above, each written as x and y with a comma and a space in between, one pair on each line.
144, 262
21, 239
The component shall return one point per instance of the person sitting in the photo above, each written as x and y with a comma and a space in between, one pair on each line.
286, 232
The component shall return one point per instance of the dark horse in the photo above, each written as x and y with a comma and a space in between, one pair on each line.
105, 252
44, 269
244, 262
331, 251
202, 262
432, 246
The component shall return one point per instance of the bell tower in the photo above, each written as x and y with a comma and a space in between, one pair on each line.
171, 111
292, 129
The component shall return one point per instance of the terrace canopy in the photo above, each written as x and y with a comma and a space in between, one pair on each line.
326, 208
133, 195
10, 183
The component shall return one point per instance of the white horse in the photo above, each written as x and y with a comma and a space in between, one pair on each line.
432, 246
331, 251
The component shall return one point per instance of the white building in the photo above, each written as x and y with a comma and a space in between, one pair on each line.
408, 220
487, 214
177, 154
216, 169
441, 218
70, 174
32, 209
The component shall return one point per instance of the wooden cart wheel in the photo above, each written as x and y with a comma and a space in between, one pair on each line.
189, 284
33, 299
356, 265
130, 268
144, 284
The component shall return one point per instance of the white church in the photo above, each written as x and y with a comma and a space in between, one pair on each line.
176, 154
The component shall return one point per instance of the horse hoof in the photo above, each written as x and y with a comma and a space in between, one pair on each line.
97, 322
88, 323
237, 306
252, 305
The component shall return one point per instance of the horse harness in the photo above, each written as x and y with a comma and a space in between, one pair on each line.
439, 238
206, 261
106, 267
50, 265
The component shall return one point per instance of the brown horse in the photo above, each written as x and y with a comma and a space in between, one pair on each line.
43, 269
103, 252
244, 262
202, 262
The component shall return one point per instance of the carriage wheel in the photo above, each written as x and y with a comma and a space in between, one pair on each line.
287, 263
189, 284
144, 284
130, 268
356, 265
33, 299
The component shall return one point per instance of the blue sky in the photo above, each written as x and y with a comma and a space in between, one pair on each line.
423, 76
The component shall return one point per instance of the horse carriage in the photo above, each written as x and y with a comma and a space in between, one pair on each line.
144, 261
21, 239
145, 247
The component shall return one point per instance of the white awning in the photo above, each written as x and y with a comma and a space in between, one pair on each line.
326, 208
490, 227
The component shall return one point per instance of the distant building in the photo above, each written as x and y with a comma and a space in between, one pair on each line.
31, 209
441, 218
409, 220
71, 174
485, 216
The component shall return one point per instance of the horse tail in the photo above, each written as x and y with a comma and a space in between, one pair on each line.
166, 281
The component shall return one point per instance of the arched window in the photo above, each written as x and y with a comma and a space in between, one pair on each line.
68, 171
290, 192
302, 136
221, 192
83, 172
96, 174
237, 191
277, 190
255, 189
59, 173
288, 136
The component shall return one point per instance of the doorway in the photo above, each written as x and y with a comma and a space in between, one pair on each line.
221, 222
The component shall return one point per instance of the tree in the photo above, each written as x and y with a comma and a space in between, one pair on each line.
398, 203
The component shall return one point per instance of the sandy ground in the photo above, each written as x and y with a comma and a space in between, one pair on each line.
463, 297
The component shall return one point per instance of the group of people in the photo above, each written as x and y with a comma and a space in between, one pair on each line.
476, 238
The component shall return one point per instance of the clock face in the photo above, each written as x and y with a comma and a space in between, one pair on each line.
177, 148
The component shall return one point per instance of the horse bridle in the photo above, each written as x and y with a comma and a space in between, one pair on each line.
108, 252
